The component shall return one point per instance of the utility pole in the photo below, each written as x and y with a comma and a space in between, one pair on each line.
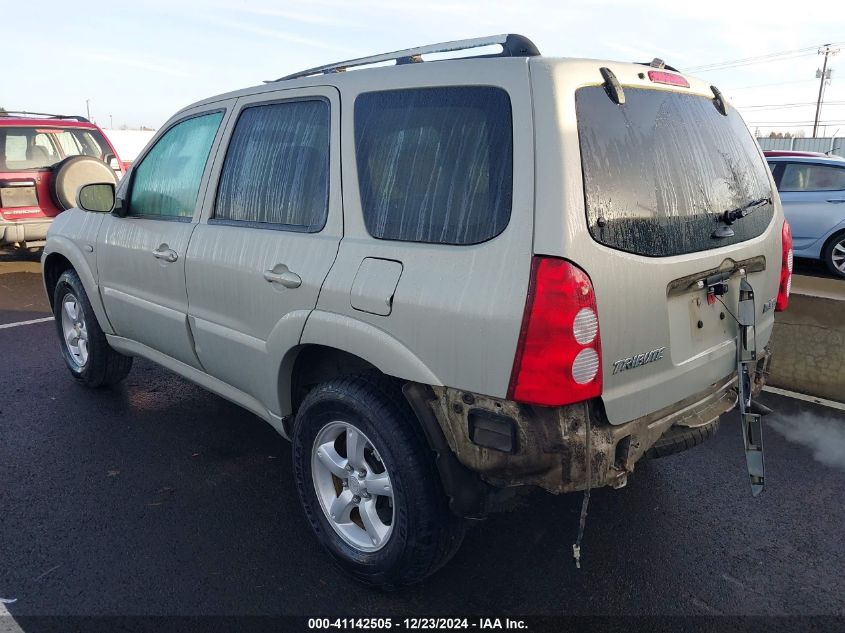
88, 107
824, 76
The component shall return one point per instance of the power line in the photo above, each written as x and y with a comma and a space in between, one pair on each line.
780, 58
778, 83
796, 123
749, 59
758, 58
786, 106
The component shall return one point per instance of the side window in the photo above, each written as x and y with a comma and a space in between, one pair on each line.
43, 148
15, 148
777, 172
167, 180
435, 164
810, 177
276, 170
70, 146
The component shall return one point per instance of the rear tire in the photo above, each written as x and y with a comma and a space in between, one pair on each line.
415, 533
834, 255
86, 352
679, 439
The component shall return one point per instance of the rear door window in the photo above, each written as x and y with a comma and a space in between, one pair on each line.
812, 177
661, 167
276, 172
435, 164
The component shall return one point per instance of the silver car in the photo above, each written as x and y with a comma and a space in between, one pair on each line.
444, 281
812, 191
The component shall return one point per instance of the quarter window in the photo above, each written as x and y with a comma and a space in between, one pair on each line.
435, 164
810, 177
276, 171
166, 182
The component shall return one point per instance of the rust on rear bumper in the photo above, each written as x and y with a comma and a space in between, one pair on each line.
551, 443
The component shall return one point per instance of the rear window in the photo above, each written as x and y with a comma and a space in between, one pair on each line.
660, 168
25, 148
435, 164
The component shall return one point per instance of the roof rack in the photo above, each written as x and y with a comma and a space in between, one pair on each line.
513, 45
74, 117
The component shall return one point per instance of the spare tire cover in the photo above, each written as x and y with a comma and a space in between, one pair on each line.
73, 172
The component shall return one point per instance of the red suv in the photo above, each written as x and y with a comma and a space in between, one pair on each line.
44, 159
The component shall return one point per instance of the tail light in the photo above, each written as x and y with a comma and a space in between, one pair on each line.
558, 358
785, 268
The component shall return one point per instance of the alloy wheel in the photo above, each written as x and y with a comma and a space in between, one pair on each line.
353, 486
74, 330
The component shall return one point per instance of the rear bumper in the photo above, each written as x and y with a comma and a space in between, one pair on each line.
547, 447
552, 448
24, 231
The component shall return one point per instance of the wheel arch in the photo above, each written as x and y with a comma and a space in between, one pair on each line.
311, 364
61, 255
333, 345
838, 233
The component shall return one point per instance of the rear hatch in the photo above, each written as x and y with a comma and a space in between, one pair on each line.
654, 173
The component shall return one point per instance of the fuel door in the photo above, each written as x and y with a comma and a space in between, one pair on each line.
374, 285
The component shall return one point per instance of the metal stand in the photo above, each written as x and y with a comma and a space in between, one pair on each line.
746, 354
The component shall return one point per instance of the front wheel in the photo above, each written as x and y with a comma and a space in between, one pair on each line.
86, 352
368, 484
834, 255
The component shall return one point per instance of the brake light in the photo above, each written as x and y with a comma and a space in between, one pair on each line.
662, 77
785, 268
558, 358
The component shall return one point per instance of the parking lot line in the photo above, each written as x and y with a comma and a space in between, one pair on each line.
30, 322
802, 396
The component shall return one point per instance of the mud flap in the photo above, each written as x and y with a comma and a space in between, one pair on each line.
746, 354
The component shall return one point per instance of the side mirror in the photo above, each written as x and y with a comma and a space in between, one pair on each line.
97, 197
114, 163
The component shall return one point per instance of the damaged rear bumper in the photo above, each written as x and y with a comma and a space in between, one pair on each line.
551, 448
484, 444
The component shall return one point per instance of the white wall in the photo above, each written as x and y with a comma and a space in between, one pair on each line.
129, 143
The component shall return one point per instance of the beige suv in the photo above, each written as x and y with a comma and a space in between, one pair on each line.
442, 280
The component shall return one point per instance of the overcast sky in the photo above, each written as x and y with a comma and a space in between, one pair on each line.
138, 62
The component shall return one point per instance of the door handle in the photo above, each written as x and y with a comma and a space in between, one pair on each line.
284, 277
837, 200
165, 253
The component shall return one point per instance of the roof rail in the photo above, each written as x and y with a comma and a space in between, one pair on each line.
75, 117
513, 45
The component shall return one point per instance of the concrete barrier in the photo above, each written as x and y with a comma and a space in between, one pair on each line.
808, 341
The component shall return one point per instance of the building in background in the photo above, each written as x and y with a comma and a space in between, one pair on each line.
826, 144
129, 143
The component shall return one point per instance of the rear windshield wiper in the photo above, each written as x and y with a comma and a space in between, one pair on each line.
732, 215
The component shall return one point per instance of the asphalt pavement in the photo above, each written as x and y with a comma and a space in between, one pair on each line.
159, 498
